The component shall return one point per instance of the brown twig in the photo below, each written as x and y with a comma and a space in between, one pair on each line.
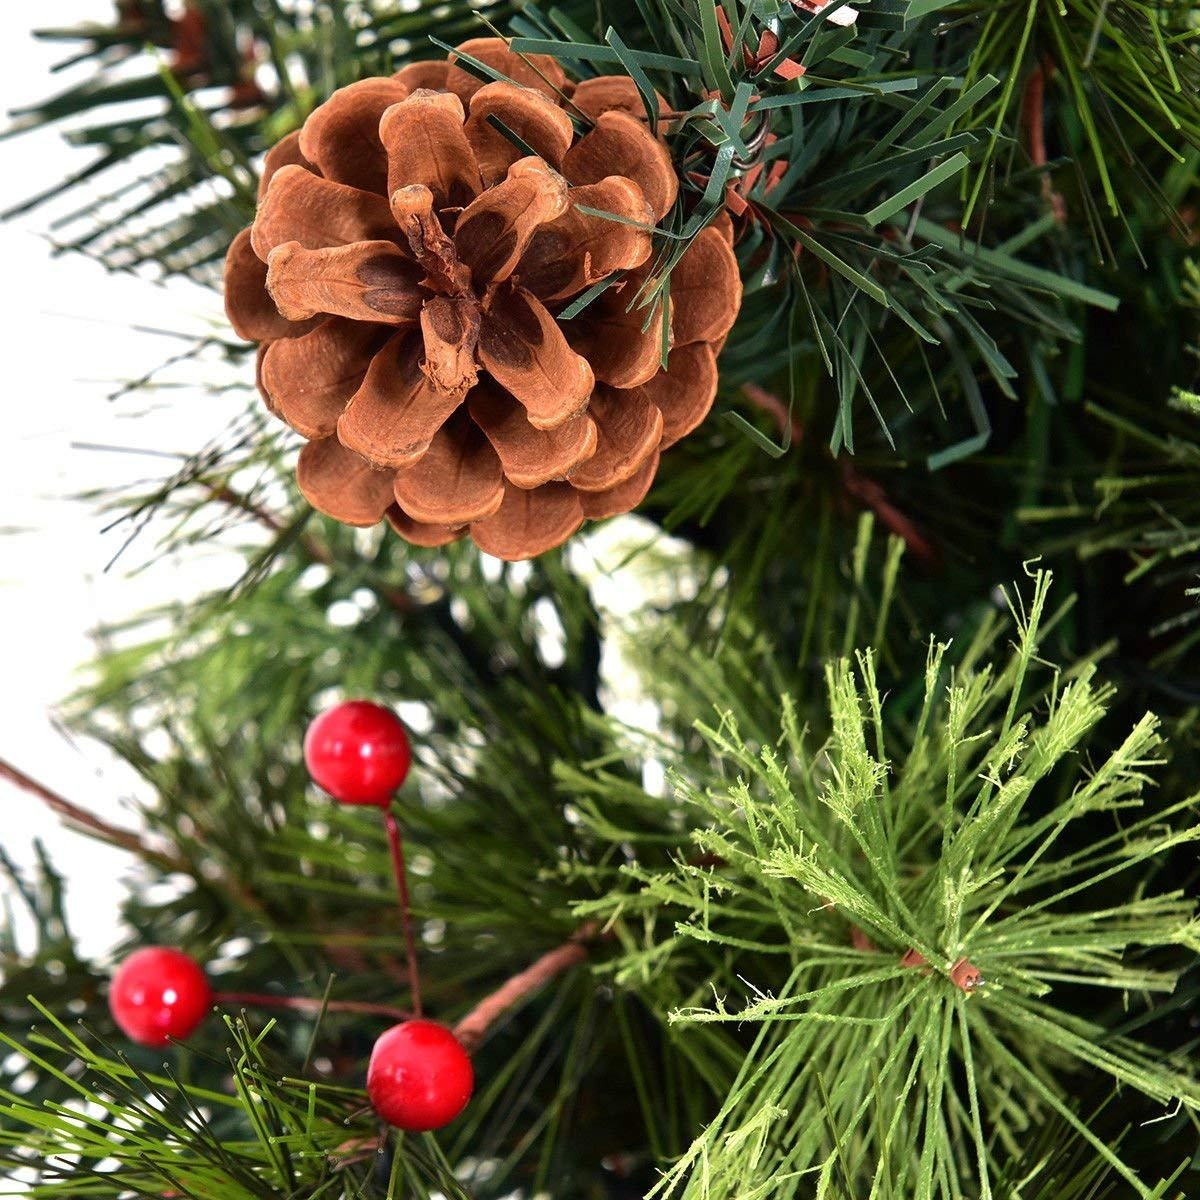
127, 839
223, 493
860, 941
313, 546
775, 408
472, 1029
1033, 117
864, 489
966, 976
707, 860
90, 824
872, 496
316, 549
307, 1004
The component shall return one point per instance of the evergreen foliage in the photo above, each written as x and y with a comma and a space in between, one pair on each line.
822, 858
970, 324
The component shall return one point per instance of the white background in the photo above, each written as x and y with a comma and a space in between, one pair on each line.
67, 344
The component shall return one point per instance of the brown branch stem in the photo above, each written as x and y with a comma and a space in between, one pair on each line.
1033, 117
313, 546
1033, 113
88, 823
472, 1029
226, 495
864, 489
114, 835
775, 408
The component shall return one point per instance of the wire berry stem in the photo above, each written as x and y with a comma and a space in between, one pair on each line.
358, 752
400, 869
308, 1004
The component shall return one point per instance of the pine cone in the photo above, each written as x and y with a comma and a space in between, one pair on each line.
405, 275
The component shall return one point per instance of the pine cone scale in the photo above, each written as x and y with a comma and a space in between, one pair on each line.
536, 121
577, 250
425, 144
302, 207
630, 429
417, 532
537, 71
626, 347
392, 418
431, 252
341, 136
597, 506
312, 379
524, 349
429, 75
251, 310
620, 144
285, 153
450, 327
705, 290
526, 521
685, 391
611, 93
337, 482
459, 479
529, 456
493, 231
365, 281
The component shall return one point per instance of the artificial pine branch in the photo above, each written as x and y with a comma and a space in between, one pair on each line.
79, 818
907, 893
875, 323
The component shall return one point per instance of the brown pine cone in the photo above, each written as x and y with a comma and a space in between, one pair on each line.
405, 275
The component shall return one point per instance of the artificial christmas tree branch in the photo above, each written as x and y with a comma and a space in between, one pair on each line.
88, 823
473, 1028
797, 858
975, 815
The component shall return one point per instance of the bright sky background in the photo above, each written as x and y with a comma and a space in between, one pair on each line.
67, 343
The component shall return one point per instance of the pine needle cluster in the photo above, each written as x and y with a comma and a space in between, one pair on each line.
895, 906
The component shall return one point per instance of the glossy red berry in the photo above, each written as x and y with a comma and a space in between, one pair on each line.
358, 752
419, 1076
158, 994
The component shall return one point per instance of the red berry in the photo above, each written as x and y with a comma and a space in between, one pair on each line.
358, 752
419, 1077
158, 994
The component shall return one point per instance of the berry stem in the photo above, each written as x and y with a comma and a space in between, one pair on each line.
307, 1004
474, 1026
396, 843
